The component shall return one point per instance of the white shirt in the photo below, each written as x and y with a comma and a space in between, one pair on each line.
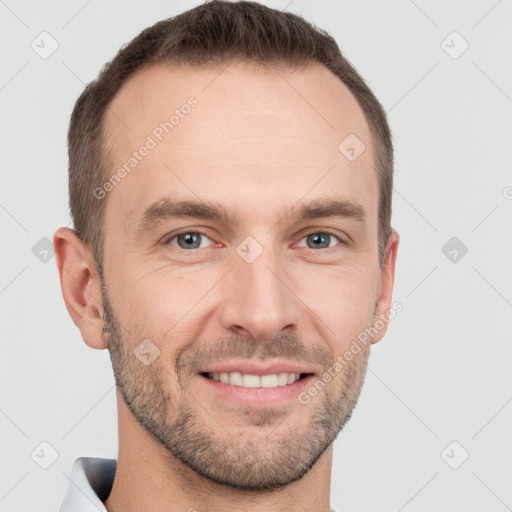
91, 482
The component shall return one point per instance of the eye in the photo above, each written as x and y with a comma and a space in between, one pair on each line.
321, 240
188, 240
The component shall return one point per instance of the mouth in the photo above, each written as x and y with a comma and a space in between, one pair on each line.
252, 384
247, 380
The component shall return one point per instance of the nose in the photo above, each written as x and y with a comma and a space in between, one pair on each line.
260, 301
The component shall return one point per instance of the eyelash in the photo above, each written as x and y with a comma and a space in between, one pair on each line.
167, 240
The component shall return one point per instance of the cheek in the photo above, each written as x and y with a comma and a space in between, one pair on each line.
161, 300
344, 300
167, 302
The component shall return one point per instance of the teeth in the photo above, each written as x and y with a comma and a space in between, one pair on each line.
269, 381
286, 378
250, 381
255, 381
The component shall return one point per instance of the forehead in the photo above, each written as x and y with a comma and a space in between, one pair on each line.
237, 132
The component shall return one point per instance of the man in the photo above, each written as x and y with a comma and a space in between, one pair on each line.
230, 184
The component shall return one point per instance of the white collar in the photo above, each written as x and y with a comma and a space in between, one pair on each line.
90, 485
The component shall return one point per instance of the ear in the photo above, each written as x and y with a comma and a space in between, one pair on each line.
81, 286
387, 279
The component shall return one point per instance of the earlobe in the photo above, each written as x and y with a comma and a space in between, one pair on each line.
80, 285
387, 279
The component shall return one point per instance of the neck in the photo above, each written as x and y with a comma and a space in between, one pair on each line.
148, 477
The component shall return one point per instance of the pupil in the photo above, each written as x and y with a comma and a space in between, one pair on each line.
190, 239
319, 239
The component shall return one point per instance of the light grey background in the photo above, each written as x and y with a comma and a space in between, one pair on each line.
443, 371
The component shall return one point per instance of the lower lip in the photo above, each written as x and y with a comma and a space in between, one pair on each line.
259, 397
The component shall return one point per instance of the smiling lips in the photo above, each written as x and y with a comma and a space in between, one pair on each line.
256, 383
256, 374
248, 380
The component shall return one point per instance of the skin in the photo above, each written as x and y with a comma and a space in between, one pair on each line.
256, 146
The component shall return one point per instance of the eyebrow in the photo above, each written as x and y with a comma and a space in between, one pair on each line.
166, 209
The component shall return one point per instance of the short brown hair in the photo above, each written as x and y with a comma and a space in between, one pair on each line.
211, 34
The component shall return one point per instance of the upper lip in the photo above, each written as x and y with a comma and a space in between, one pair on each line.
253, 367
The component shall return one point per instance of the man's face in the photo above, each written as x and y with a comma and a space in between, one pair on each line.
265, 285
